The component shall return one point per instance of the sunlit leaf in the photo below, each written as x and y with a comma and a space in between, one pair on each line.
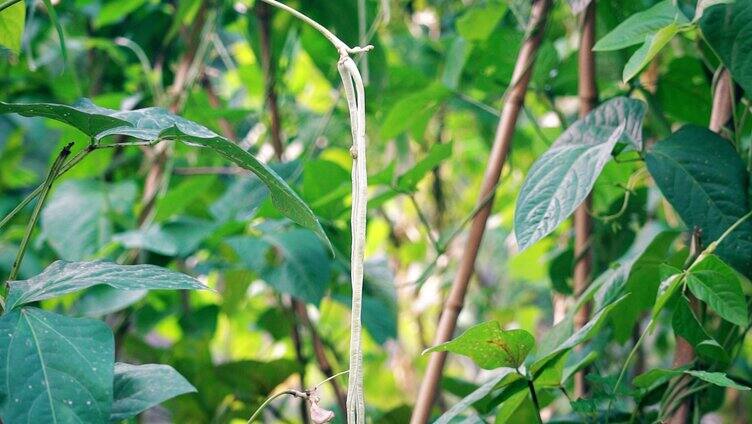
489, 346
638, 27
562, 178
12, 22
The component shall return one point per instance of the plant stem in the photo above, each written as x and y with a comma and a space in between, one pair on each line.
51, 175
534, 396
269, 70
496, 161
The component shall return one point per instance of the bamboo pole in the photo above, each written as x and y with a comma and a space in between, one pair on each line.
583, 225
501, 146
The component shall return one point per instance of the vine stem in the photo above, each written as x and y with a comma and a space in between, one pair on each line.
51, 175
534, 397
272, 398
355, 95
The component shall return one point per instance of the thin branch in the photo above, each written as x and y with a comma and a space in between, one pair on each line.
270, 78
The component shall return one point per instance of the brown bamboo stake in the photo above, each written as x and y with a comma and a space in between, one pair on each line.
583, 225
501, 146
263, 14
720, 114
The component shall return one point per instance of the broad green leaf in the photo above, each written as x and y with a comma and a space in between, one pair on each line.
653, 44
637, 28
182, 196
154, 124
717, 378
489, 346
410, 179
478, 22
413, 110
654, 377
705, 180
179, 237
12, 22
478, 394
114, 11
101, 300
139, 387
669, 283
65, 277
76, 219
55, 369
686, 326
81, 116
293, 262
727, 28
561, 337
562, 178
511, 402
716, 284
642, 285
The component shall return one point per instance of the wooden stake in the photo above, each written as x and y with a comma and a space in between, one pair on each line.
501, 146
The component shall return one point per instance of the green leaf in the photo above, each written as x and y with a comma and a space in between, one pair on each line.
66, 277
718, 378
12, 22
705, 180
642, 285
716, 284
114, 11
76, 219
183, 195
561, 338
685, 325
638, 27
513, 397
410, 179
153, 124
179, 237
478, 394
655, 377
81, 116
101, 300
55, 369
489, 346
562, 178
653, 44
413, 110
671, 279
139, 387
477, 23
456, 57
727, 29
293, 262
